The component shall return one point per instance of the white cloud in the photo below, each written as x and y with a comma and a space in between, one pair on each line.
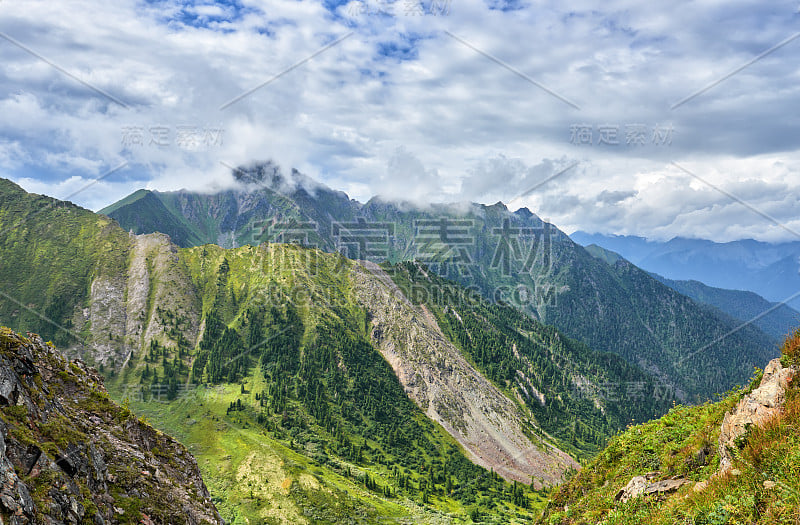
403, 109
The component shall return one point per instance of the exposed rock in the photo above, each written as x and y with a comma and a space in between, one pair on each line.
700, 456
754, 408
438, 378
124, 312
700, 486
107, 317
634, 488
642, 486
68, 454
667, 485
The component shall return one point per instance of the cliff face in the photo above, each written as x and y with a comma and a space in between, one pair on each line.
68, 454
124, 313
450, 391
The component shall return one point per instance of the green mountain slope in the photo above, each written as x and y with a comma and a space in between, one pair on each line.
144, 212
774, 319
512, 257
287, 352
50, 251
302, 370
578, 395
688, 473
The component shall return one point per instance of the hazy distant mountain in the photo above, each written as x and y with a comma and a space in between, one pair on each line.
770, 270
774, 319
741, 304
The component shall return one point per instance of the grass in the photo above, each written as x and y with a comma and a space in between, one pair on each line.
791, 349
325, 482
256, 478
763, 487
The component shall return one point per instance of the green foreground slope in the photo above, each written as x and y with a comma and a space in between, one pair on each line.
762, 487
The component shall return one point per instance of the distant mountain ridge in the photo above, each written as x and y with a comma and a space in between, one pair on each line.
770, 270
511, 257
235, 217
774, 319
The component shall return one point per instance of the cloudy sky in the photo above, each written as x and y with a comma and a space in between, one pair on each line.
658, 120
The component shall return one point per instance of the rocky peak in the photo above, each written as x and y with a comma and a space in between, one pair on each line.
754, 408
68, 454
266, 173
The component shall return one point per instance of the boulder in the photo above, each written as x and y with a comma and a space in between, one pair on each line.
642, 486
754, 408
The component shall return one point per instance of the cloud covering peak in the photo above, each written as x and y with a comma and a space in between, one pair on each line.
627, 118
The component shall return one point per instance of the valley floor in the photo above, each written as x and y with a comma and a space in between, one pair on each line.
256, 477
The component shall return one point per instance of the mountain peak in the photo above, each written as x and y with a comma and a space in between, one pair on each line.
524, 212
266, 173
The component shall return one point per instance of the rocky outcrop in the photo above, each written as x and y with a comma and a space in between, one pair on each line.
68, 454
128, 311
640, 486
754, 408
438, 378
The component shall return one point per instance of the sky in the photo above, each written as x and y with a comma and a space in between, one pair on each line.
654, 119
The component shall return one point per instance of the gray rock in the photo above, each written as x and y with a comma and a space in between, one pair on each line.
641, 486
9, 384
99, 469
753, 409
25, 500
23, 457
73, 461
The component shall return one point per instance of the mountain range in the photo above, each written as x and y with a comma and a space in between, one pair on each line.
412, 380
334, 387
509, 257
770, 270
